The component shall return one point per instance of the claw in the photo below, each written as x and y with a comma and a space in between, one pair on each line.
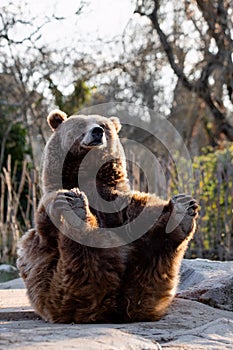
194, 205
185, 204
70, 195
180, 195
181, 198
193, 214
60, 202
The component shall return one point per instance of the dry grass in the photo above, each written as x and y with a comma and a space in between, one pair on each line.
18, 201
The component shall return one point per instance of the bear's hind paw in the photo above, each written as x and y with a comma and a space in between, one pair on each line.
184, 211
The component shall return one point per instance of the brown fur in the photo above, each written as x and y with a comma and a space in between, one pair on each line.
71, 282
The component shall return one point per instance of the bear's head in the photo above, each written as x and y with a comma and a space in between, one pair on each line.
82, 143
85, 132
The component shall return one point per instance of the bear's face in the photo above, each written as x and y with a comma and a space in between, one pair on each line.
80, 133
83, 148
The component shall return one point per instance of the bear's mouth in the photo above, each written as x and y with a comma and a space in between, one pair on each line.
95, 143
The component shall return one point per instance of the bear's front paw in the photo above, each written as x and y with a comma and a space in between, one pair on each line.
68, 202
72, 208
184, 211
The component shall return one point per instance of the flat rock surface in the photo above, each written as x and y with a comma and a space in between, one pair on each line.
209, 282
188, 325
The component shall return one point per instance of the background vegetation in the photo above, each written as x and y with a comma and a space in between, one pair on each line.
173, 57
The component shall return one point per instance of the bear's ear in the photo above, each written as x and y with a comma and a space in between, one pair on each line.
55, 118
116, 122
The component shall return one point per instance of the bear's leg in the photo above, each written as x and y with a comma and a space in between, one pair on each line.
152, 272
37, 260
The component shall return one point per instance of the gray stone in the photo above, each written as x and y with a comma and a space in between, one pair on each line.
8, 272
188, 325
195, 271
209, 282
13, 284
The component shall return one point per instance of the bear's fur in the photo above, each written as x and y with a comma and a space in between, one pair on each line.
68, 281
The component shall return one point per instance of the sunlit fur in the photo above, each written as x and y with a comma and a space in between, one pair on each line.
70, 282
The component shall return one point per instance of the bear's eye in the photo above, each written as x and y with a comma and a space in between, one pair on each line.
102, 125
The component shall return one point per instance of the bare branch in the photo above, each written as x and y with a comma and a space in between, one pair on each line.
217, 21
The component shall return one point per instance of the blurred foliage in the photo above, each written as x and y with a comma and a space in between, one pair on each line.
73, 102
16, 141
18, 197
213, 186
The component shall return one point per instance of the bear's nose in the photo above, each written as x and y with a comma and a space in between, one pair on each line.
97, 133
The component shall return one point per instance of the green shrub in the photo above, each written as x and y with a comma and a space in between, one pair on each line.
213, 187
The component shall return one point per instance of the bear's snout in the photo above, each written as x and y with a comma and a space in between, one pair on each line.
95, 136
97, 133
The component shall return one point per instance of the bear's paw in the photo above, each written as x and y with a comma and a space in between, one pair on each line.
184, 211
70, 202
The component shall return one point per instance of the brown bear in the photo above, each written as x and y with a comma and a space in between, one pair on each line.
85, 263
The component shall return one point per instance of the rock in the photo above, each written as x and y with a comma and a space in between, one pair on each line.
197, 270
188, 325
8, 272
13, 284
209, 282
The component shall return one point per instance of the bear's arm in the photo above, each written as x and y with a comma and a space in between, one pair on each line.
68, 212
166, 222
